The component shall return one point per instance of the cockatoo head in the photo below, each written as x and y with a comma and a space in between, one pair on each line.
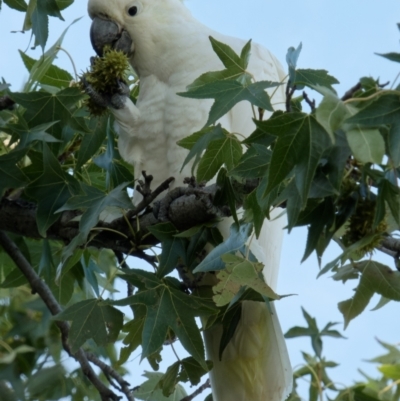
137, 27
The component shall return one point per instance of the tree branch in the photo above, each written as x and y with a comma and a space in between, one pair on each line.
39, 287
203, 387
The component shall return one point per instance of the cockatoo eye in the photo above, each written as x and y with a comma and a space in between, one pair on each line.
132, 11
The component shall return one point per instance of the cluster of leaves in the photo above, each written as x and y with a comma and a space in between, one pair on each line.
321, 166
37, 13
334, 170
321, 386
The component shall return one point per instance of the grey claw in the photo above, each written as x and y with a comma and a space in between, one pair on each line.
97, 97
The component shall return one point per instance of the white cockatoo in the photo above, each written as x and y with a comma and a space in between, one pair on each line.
169, 49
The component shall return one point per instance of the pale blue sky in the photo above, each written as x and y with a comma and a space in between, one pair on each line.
340, 36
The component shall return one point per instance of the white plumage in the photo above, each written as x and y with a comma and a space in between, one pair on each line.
171, 50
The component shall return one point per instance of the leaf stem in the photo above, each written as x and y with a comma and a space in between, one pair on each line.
71, 59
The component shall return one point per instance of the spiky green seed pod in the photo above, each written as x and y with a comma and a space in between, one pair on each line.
361, 224
104, 75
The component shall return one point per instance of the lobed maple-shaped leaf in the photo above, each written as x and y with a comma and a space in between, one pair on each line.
312, 78
235, 65
313, 332
92, 141
44, 107
300, 145
238, 273
173, 247
92, 319
384, 110
375, 278
150, 389
53, 76
227, 150
11, 175
198, 142
167, 308
254, 163
228, 93
52, 190
94, 202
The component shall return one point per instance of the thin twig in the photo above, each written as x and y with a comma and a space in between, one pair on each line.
147, 200
110, 373
310, 102
124, 265
350, 93
203, 387
289, 94
39, 287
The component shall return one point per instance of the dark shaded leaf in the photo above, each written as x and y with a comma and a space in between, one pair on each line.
92, 319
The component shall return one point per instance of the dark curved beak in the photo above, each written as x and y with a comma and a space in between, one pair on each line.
107, 32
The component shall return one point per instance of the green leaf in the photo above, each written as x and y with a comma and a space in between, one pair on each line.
149, 391
300, 146
375, 277
236, 240
391, 357
228, 93
199, 141
14, 279
94, 202
367, 145
235, 65
45, 380
322, 219
169, 380
226, 194
331, 113
313, 332
40, 68
53, 76
390, 371
51, 190
133, 339
92, 319
168, 307
191, 371
394, 144
254, 163
28, 135
117, 171
62, 4
389, 193
43, 107
390, 56
254, 212
173, 247
49, 7
239, 273
40, 20
312, 78
19, 5
40, 26
226, 151
384, 110
92, 141
11, 175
